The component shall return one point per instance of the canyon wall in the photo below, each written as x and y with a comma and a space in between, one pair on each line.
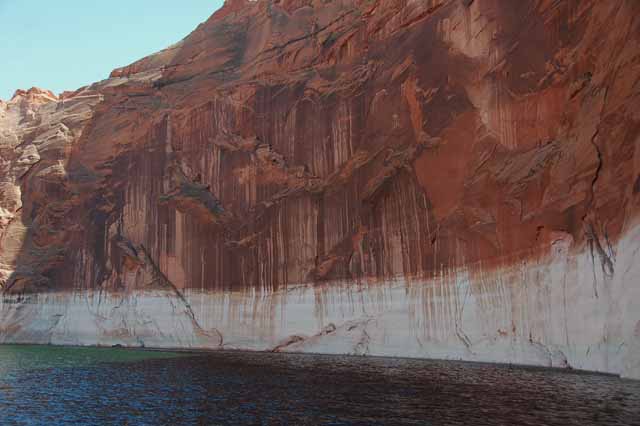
452, 179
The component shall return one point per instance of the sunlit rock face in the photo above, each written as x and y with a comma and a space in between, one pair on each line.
453, 179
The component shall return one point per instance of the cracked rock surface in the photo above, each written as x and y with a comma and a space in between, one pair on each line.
436, 178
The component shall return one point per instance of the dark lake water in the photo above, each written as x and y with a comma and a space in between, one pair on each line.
91, 386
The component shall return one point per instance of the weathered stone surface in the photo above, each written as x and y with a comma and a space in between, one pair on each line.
442, 178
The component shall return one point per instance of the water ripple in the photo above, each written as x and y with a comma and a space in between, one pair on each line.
61, 386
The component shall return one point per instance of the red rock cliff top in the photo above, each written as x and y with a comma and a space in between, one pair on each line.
35, 95
305, 140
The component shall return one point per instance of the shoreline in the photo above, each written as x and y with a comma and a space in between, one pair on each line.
205, 351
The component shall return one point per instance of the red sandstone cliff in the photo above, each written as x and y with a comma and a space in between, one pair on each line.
296, 142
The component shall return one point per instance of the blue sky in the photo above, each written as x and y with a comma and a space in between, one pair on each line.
65, 44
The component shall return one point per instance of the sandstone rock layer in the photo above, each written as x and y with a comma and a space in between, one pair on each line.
431, 178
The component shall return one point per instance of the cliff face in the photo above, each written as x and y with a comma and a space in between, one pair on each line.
437, 178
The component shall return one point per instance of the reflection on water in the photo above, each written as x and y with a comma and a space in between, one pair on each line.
90, 386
